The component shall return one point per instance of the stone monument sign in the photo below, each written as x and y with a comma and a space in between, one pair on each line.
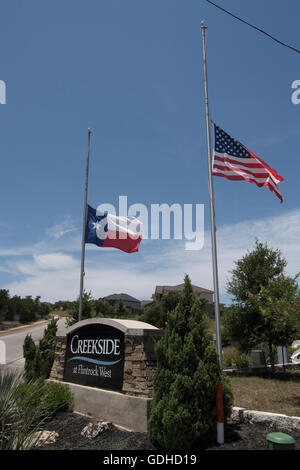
108, 365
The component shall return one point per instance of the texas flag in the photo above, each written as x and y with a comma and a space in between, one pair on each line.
107, 230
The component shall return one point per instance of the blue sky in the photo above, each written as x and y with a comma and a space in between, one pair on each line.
132, 72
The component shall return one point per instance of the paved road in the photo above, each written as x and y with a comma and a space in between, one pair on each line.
14, 342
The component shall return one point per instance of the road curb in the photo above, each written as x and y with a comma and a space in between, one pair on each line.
276, 420
21, 328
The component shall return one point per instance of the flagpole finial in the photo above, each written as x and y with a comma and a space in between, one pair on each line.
203, 25
89, 131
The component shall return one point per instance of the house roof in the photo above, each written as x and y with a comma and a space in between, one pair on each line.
144, 303
122, 296
163, 289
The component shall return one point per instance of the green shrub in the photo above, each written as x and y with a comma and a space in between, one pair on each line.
183, 409
50, 398
228, 357
24, 407
233, 357
59, 397
39, 358
241, 360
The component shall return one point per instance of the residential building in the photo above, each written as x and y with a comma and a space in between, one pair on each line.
131, 304
161, 290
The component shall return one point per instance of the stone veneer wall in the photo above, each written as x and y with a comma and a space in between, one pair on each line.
57, 371
139, 365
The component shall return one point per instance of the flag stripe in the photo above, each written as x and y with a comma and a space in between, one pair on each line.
225, 157
232, 160
129, 225
257, 172
116, 240
275, 175
243, 163
232, 175
235, 177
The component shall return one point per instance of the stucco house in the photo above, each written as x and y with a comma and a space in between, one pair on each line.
161, 290
131, 304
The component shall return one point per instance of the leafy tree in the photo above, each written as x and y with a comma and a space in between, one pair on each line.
4, 304
44, 309
157, 313
183, 409
120, 310
265, 301
62, 305
153, 315
278, 305
14, 307
29, 310
254, 270
103, 309
87, 309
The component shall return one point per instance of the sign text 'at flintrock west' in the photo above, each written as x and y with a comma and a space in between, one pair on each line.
95, 357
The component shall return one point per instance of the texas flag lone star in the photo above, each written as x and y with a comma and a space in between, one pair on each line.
111, 231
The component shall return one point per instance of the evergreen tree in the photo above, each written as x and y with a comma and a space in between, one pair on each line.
39, 358
46, 350
29, 353
183, 409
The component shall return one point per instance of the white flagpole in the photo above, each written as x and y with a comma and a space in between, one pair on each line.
212, 225
84, 226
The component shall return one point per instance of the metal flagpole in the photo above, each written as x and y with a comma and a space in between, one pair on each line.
84, 225
213, 235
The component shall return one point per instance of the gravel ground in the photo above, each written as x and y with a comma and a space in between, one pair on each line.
69, 426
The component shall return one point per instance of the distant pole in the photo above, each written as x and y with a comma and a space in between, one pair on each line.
84, 225
213, 236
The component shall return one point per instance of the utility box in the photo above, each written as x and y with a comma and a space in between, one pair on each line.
282, 353
258, 357
280, 441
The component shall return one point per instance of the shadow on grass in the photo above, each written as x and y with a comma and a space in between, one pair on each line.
283, 376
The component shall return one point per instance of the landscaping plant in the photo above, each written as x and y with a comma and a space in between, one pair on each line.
183, 410
233, 357
24, 408
39, 358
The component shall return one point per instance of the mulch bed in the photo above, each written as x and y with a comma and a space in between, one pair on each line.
238, 436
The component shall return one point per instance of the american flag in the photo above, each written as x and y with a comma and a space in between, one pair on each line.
234, 161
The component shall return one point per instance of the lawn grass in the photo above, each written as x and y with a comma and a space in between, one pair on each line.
278, 394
